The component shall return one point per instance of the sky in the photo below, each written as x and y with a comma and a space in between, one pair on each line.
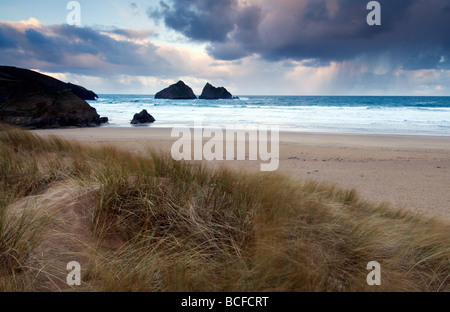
251, 47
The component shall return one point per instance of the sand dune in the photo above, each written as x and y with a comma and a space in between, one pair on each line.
67, 237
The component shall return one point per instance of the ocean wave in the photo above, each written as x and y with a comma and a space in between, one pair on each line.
379, 114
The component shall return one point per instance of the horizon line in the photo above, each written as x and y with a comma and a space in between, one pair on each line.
293, 95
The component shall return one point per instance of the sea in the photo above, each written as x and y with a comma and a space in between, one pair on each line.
391, 115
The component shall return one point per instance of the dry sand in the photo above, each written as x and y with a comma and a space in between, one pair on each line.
411, 172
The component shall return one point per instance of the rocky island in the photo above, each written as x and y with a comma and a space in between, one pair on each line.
212, 93
178, 91
181, 91
36, 101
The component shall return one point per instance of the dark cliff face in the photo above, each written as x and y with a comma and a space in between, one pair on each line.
49, 110
33, 100
17, 82
178, 91
212, 93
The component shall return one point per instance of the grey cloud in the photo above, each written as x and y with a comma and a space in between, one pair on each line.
64, 48
227, 51
132, 34
7, 40
414, 33
42, 45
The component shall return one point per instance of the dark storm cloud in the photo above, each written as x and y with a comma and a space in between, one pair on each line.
39, 44
206, 20
414, 33
6, 40
64, 48
35, 38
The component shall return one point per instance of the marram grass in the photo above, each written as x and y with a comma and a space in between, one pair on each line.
160, 225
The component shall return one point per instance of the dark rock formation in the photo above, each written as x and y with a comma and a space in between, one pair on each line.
212, 93
49, 110
33, 100
104, 120
142, 118
178, 91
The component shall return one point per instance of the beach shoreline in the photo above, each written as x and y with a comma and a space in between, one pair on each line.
405, 171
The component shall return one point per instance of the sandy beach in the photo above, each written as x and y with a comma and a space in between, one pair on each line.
411, 172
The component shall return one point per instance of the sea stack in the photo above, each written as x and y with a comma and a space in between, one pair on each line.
212, 93
178, 91
32, 100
